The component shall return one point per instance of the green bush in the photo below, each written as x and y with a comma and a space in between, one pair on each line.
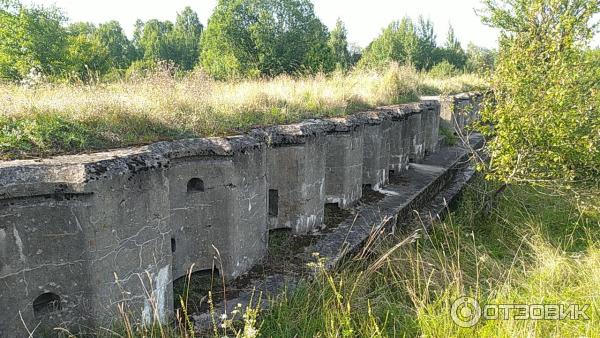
545, 117
247, 38
443, 69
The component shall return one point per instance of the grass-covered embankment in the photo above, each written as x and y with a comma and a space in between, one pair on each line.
531, 247
51, 119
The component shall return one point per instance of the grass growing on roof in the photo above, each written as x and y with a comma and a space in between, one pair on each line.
54, 119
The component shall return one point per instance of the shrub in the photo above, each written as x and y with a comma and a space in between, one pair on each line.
443, 69
545, 117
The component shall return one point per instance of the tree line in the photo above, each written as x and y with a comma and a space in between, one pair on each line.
243, 38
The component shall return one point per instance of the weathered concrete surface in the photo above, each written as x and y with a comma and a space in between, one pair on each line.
400, 135
219, 208
76, 243
431, 125
76, 246
415, 138
344, 162
418, 185
426, 188
296, 175
376, 148
457, 111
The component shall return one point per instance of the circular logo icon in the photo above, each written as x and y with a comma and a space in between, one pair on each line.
465, 312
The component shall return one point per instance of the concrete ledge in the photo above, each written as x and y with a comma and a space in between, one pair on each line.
344, 162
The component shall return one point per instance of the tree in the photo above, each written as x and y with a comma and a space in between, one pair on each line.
338, 44
186, 38
162, 40
480, 60
402, 42
31, 37
228, 49
426, 44
319, 56
452, 51
153, 42
547, 93
86, 58
253, 37
120, 50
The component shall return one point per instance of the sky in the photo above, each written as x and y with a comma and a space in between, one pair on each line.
364, 19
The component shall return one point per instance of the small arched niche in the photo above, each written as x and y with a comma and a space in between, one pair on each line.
193, 289
46, 303
195, 185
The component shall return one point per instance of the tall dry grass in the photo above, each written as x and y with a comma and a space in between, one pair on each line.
535, 247
49, 119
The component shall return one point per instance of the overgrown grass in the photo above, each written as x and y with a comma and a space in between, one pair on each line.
51, 119
531, 247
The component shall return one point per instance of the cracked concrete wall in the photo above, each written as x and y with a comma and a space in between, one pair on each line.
85, 241
41, 238
130, 256
431, 125
415, 138
398, 158
344, 163
458, 111
82, 234
399, 135
376, 148
296, 174
223, 222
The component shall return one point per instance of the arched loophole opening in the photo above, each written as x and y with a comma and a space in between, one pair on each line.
192, 289
46, 303
195, 185
173, 244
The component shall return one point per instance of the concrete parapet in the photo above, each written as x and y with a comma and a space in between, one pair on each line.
344, 162
75, 244
400, 135
218, 205
296, 175
459, 110
376, 148
414, 146
431, 125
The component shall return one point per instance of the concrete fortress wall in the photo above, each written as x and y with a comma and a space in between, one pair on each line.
81, 235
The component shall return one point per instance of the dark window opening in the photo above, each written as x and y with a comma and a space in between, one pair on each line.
192, 290
195, 185
46, 303
273, 202
173, 244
